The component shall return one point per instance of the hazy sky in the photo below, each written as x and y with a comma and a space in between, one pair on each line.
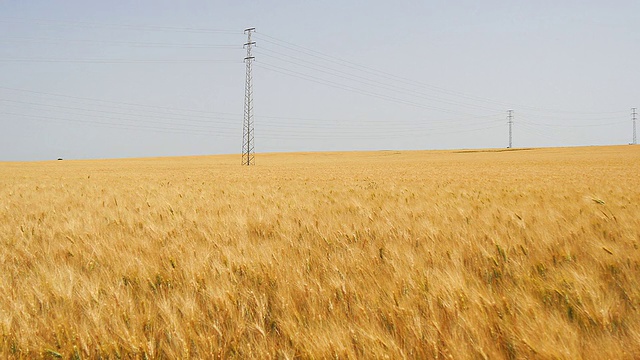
89, 79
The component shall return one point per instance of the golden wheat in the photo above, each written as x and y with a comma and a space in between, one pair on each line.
477, 254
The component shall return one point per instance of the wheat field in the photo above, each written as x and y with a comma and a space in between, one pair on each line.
429, 254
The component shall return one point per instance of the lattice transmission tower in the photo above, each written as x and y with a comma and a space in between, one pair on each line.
510, 121
248, 157
634, 114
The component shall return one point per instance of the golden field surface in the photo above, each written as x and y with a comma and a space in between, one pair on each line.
529, 253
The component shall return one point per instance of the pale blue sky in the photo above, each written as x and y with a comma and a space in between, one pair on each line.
85, 79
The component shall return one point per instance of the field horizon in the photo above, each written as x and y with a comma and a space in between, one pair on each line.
467, 253
332, 152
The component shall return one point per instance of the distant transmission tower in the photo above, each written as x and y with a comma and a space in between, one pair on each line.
510, 121
633, 117
247, 128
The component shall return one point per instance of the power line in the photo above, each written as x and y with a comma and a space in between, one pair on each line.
206, 116
363, 68
535, 131
348, 127
126, 43
172, 130
140, 121
269, 132
115, 61
119, 26
337, 85
366, 69
572, 126
269, 39
367, 81
208, 121
422, 133
112, 102
355, 129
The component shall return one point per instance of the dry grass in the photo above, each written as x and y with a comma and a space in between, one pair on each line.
519, 254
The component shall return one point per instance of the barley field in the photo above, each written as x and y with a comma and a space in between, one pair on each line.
527, 253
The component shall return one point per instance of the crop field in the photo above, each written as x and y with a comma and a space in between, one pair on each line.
529, 253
